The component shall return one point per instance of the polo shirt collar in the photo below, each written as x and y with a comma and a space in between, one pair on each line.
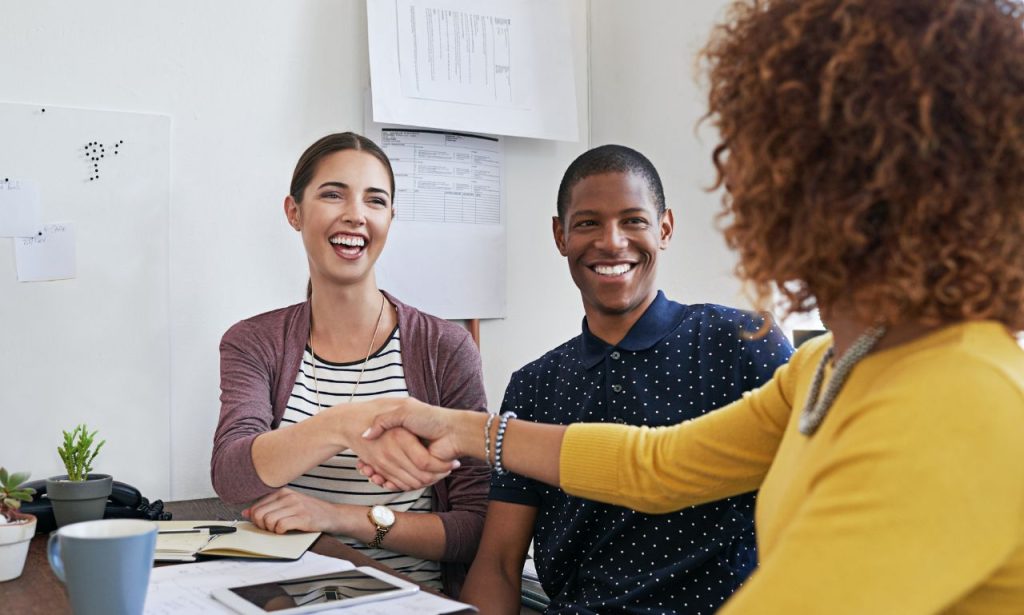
661, 318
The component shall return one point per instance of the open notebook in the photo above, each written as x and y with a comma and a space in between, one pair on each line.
246, 541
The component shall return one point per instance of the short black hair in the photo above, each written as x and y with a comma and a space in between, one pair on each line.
610, 159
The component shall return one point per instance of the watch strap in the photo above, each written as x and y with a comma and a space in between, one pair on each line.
382, 531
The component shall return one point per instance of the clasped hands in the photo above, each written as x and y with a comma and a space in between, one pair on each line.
409, 444
386, 435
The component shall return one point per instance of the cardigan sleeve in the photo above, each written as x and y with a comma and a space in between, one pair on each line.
245, 412
657, 470
461, 379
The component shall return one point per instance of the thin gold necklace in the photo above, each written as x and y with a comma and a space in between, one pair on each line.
373, 339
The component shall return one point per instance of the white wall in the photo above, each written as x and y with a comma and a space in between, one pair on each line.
645, 94
248, 86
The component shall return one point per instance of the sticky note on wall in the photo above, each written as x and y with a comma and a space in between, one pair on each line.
49, 255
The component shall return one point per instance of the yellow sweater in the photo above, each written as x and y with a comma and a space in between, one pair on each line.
909, 499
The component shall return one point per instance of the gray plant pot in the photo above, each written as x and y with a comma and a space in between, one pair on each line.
75, 501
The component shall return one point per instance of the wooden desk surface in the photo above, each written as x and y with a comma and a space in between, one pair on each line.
38, 592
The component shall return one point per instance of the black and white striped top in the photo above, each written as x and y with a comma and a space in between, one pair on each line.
337, 480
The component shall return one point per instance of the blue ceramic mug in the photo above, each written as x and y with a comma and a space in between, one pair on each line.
104, 564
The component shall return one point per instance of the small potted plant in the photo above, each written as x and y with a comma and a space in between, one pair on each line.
16, 528
79, 495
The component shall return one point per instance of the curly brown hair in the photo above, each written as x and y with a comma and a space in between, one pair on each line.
872, 153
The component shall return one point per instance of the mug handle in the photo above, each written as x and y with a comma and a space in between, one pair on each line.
53, 555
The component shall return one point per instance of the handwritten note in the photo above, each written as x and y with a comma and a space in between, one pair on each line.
49, 255
20, 214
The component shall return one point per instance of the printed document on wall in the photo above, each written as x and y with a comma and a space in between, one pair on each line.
493, 66
446, 246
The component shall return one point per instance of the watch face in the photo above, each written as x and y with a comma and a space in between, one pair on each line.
382, 515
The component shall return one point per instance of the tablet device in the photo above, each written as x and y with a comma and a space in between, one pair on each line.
316, 593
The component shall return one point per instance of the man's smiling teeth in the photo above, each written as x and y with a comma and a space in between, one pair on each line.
348, 240
612, 269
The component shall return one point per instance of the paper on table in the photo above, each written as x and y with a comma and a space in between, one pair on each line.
20, 214
49, 255
420, 603
186, 588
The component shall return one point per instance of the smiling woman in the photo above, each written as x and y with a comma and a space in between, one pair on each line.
286, 440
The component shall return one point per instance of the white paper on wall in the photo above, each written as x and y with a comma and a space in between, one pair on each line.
20, 214
493, 66
446, 248
50, 255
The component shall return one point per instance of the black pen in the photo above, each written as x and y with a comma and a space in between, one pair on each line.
202, 529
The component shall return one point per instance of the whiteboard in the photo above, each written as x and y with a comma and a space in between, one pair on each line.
93, 348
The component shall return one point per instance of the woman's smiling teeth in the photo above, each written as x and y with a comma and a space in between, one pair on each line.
348, 240
612, 270
348, 245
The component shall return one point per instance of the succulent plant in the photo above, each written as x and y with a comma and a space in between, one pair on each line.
12, 493
78, 452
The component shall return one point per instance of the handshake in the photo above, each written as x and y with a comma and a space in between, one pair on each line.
408, 444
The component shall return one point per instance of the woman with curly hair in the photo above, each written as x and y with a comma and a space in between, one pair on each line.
872, 155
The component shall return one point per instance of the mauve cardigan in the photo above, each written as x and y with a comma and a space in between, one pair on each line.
259, 361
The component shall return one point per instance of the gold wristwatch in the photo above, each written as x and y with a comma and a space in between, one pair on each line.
382, 518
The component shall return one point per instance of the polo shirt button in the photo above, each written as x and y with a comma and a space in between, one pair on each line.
615, 354
617, 388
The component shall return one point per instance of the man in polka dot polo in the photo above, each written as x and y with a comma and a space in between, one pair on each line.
641, 359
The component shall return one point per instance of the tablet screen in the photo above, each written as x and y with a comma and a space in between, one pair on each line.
327, 588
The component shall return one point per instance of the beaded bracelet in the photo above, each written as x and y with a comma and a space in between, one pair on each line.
487, 440
502, 425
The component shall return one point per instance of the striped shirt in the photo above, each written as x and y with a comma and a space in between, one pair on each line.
336, 480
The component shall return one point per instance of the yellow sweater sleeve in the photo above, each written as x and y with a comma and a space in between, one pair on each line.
723, 453
918, 499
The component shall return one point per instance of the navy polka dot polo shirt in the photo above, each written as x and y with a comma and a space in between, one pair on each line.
676, 363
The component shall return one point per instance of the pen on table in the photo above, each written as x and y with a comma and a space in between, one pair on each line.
202, 529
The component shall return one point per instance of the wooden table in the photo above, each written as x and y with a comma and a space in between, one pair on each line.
38, 591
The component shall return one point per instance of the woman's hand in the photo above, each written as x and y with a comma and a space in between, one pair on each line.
286, 510
397, 454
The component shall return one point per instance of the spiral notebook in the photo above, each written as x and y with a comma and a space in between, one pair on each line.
246, 540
